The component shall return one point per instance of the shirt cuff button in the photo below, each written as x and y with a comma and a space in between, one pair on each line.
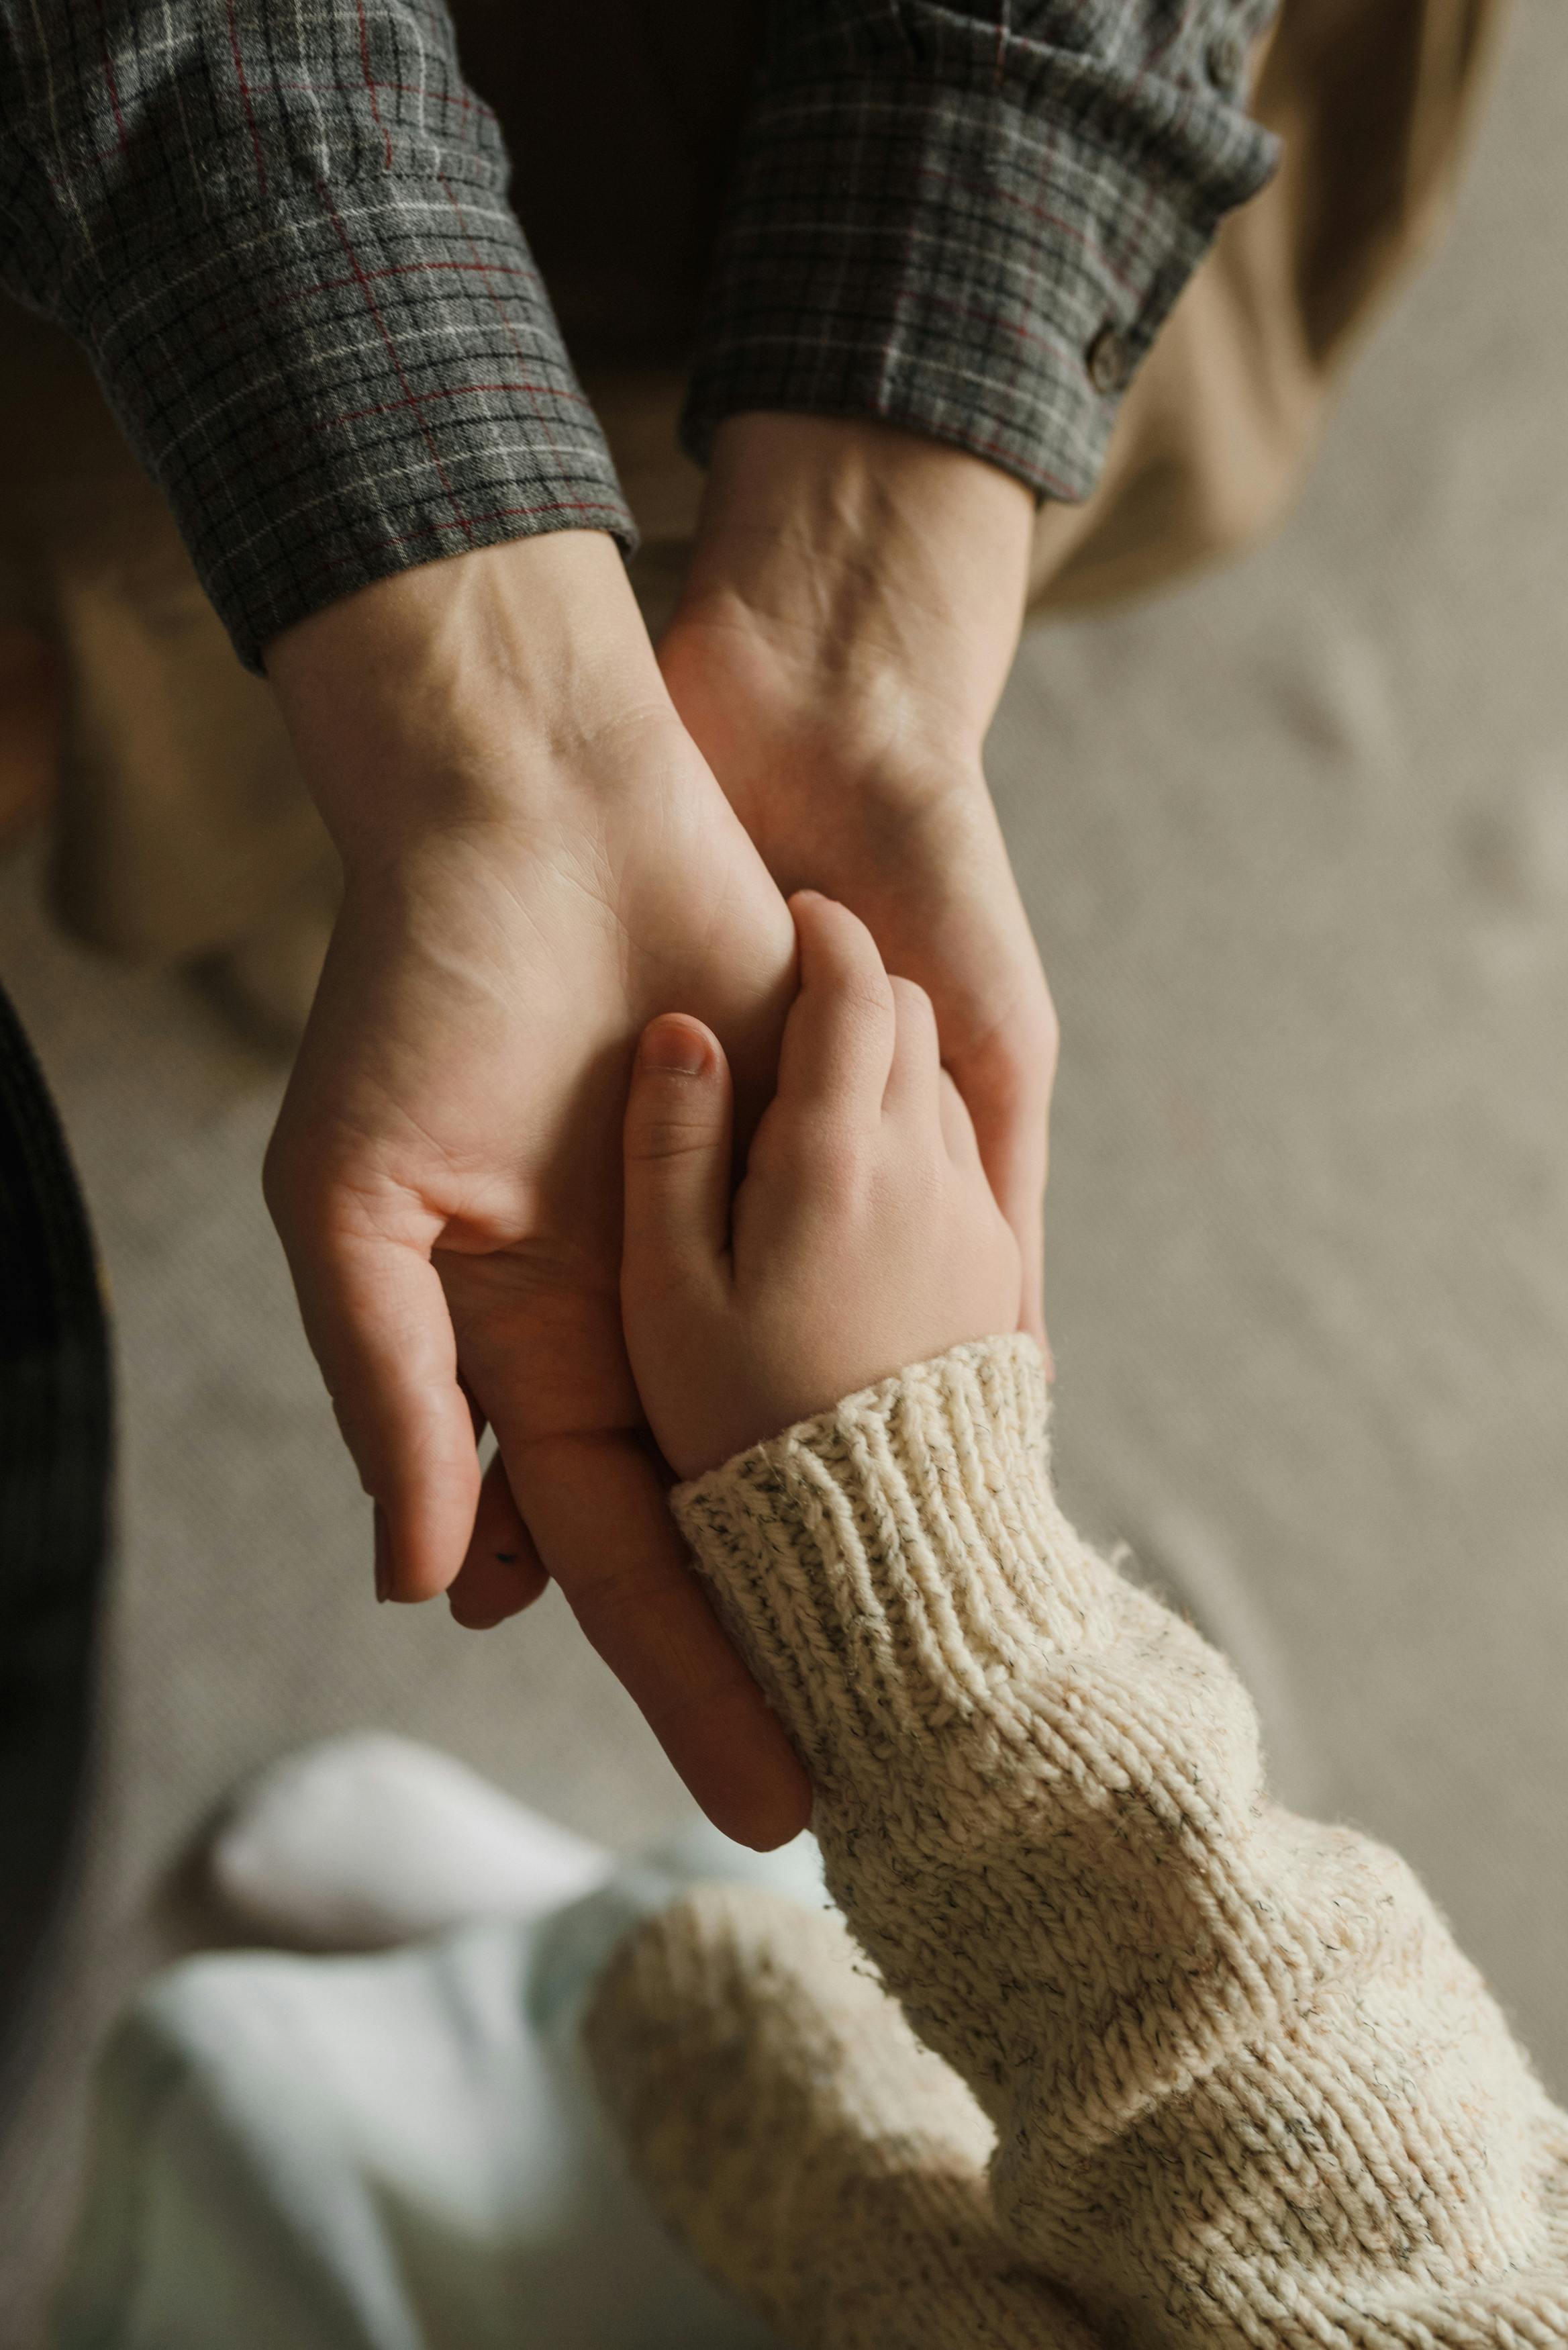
1107, 361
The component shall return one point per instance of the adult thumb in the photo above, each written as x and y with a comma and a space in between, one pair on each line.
677, 1144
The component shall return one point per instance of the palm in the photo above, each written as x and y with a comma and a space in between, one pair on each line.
450, 1141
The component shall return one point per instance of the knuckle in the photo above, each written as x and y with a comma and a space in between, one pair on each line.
665, 1135
815, 1152
655, 1282
911, 1001
868, 995
831, 1160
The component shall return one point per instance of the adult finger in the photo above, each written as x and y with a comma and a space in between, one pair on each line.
502, 1571
377, 1322
1005, 1087
838, 1040
595, 1504
546, 1355
676, 1138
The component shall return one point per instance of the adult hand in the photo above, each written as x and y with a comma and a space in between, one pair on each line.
536, 860
847, 627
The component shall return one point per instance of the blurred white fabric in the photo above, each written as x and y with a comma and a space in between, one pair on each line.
397, 2152
363, 1842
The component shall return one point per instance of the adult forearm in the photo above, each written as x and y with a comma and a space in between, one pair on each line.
876, 577
284, 237
484, 692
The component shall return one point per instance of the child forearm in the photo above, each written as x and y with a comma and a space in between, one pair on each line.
1245, 2088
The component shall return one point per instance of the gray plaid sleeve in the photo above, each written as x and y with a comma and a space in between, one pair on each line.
971, 217
280, 227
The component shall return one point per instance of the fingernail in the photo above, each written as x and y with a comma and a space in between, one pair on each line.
672, 1046
383, 1553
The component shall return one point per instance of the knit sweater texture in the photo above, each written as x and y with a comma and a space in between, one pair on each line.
1138, 2057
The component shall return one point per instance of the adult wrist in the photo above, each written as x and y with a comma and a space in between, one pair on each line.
469, 692
868, 564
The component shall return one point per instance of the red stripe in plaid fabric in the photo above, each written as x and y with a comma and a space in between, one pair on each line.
411, 398
121, 142
370, 79
496, 302
245, 99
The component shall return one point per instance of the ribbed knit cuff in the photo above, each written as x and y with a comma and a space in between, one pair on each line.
890, 1561
971, 235
333, 381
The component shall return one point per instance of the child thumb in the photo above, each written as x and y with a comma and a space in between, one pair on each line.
677, 1135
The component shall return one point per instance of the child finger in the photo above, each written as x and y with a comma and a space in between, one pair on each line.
838, 1039
911, 1087
678, 1116
958, 1126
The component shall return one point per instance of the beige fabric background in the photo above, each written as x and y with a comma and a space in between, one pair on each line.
1295, 840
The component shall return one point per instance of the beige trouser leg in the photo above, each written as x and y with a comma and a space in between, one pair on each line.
1373, 100
180, 823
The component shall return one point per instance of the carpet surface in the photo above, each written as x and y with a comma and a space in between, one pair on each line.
1295, 843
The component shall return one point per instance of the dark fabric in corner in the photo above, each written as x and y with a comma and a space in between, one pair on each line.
55, 1456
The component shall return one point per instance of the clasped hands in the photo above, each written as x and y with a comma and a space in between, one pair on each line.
551, 836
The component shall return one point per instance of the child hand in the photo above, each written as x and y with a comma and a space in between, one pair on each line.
863, 1238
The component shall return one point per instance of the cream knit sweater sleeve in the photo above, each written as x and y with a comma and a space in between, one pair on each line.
1243, 2086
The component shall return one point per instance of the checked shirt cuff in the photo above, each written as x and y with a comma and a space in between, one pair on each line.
982, 264
332, 381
